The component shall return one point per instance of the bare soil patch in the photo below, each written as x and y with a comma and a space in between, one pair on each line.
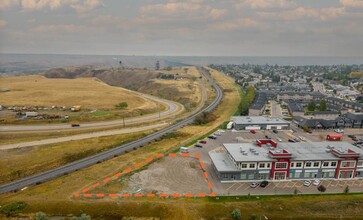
170, 175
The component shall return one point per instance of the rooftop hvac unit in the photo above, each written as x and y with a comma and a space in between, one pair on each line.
327, 150
278, 151
341, 150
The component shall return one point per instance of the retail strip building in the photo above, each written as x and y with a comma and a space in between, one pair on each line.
266, 159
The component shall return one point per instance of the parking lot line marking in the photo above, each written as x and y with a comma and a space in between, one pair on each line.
239, 186
231, 186
276, 185
247, 187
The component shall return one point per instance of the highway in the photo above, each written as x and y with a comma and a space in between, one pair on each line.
173, 108
89, 161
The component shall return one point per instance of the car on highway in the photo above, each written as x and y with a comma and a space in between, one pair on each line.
279, 139
316, 182
75, 125
291, 140
307, 183
253, 131
198, 145
264, 183
212, 137
202, 142
254, 185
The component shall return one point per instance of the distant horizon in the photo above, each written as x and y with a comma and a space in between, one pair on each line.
145, 55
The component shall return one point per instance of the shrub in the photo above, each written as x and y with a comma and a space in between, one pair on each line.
322, 188
12, 208
236, 214
40, 216
122, 105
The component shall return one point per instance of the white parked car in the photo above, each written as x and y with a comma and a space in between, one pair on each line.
316, 182
279, 139
302, 138
307, 183
254, 185
339, 131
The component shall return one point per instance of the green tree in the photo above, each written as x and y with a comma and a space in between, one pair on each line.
236, 214
40, 216
323, 105
311, 106
12, 208
122, 105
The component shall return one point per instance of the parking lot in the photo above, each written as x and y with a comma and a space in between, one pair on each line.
283, 187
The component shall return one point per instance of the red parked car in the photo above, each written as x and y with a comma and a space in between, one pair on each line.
203, 142
253, 131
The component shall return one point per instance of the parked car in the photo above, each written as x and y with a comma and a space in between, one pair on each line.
307, 183
264, 183
316, 182
309, 131
297, 139
267, 137
253, 131
217, 134
361, 139
279, 139
212, 137
254, 185
198, 145
355, 139
339, 131
275, 131
351, 136
291, 140
302, 138
202, 142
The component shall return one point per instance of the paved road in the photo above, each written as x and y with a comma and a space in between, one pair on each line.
89, 161
173, 108
276, 109
80, 136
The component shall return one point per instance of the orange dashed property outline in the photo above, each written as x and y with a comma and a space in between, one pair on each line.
138, 165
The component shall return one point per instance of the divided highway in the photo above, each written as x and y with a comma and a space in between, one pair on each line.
89, 161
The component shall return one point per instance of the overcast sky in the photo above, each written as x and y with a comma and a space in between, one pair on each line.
190, 27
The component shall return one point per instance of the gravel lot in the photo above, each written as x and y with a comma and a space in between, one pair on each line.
171, 175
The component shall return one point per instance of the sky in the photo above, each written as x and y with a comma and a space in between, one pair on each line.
183, 28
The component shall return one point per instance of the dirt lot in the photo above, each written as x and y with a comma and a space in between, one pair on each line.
170, 175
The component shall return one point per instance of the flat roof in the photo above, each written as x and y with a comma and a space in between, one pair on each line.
258, 153
222, 162
253, 120
317, 150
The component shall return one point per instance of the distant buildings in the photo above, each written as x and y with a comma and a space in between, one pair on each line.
347, 120
259, 123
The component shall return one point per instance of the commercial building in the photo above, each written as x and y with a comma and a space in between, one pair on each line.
267, 160
259, 123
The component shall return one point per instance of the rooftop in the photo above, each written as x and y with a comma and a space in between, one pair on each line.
247, 152
258, 120
222, 162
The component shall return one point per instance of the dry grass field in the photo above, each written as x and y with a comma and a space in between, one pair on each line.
90, 93
58, 192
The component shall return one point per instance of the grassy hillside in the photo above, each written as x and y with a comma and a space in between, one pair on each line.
87, 92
